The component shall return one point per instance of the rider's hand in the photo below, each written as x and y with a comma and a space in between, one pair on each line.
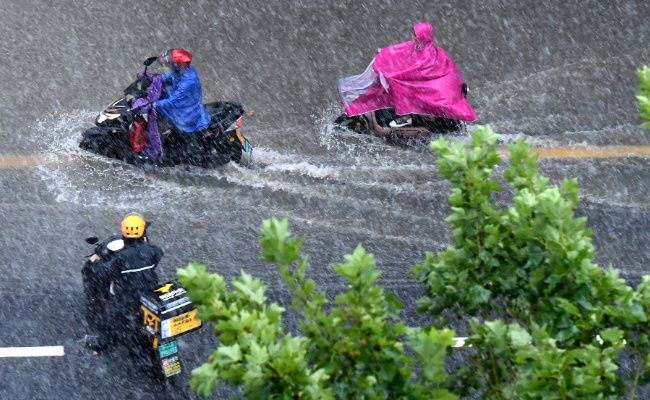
94, 258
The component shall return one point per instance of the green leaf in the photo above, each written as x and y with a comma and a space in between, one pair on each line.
612, 335
204, 379
277, 244
568, 307
232, 353
431, 349
258, 355
479, 294
519, 336
443, 394
393, 306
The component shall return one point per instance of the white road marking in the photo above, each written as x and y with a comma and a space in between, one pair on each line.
460, 341
41, 351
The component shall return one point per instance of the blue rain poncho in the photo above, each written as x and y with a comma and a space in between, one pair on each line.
182, 100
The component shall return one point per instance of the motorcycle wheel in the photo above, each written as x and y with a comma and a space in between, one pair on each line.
236, 156
220, 152
173, 387
357, 124
342, 120
94, 304
109, 142
92, 139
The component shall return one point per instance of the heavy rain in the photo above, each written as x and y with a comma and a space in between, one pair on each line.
560, 74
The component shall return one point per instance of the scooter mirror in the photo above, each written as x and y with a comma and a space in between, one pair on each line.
150, 61
92, 240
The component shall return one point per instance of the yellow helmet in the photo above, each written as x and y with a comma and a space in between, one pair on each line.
133, 226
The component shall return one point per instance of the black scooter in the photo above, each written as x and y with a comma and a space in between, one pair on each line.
150, 335
221, 143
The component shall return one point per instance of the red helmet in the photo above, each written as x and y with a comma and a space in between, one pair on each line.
176, 58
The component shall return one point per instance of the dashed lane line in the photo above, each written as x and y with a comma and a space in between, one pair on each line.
40, 351
588, 152
26, 161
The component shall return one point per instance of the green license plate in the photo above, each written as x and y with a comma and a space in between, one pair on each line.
168, 349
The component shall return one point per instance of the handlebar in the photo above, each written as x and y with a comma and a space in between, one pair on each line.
150, 61
103, 249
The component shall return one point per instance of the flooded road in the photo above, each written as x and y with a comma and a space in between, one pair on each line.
560, 75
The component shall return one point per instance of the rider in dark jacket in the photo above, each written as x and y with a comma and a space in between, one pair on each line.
129, 272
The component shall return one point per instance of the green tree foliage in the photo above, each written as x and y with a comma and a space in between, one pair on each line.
644, 96
543, 321
546, 322
350, 348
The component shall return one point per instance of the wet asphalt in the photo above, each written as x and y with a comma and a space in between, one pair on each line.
556, 74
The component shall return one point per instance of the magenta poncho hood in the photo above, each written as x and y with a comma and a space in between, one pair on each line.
411, 78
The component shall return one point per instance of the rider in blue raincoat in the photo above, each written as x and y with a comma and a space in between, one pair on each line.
181, 101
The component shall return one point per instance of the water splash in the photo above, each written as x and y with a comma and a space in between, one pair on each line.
367, 165
333, 138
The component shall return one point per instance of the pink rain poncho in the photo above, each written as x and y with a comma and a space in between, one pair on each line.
411, 78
